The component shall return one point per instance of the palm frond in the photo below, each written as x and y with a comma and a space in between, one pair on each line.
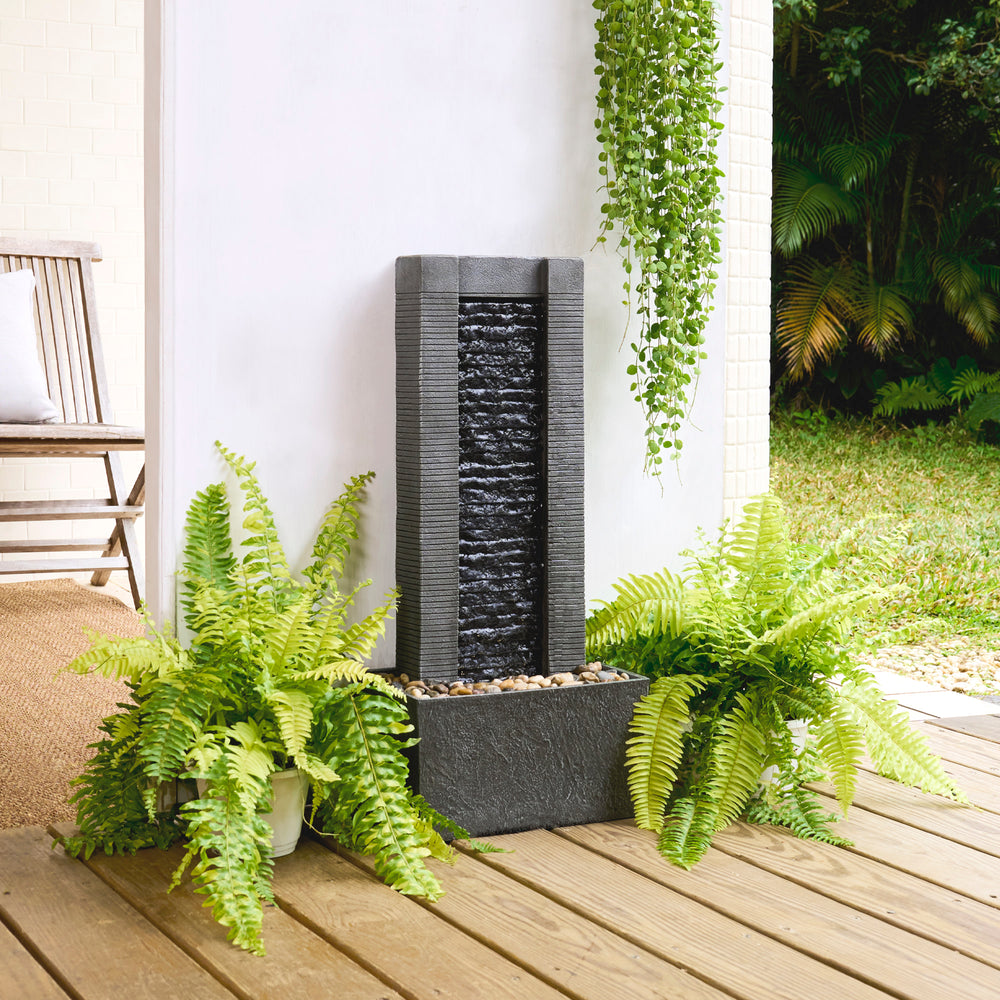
814, 309
966, 294
806, 206
884, 315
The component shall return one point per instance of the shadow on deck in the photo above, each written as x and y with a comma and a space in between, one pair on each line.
593, 913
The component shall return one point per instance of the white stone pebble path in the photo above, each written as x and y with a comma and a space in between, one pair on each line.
950, 664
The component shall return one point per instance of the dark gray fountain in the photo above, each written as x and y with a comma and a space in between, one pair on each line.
490, 544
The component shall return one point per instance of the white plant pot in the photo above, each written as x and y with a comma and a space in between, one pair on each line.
799, 729
288, 799
288, 803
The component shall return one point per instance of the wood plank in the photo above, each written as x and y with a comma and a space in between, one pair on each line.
983, 727
57, 510
395, 938
943, 862
550, 941
949, 918
93, 941
48, 565
931, 813
961, 749
883, 955
49, 248
120, 435
52, 544
21, 975
721, 951
298, 965
983, 789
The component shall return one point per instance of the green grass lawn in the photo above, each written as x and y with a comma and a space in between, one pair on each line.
934, 492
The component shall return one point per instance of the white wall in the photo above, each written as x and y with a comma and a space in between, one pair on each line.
292, 153
71, 162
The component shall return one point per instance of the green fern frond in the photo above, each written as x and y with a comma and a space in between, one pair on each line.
293, 711
372, 808
291, 635
687, 831
208, 549
456, 832
232, 845
265, 563
832, 612
968, 384
840, 742
358, 641
655, 750
913, 393
737, 759
174, 714
646, 605
986, 406
799, 810
898, 750
338, 530
127, 659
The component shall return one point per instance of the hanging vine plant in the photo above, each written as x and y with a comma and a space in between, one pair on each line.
658, 105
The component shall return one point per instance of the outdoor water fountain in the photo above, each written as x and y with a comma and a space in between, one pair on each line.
490, 544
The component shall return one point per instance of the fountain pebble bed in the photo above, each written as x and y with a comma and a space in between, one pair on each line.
586, 673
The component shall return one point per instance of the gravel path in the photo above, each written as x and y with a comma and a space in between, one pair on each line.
953, 664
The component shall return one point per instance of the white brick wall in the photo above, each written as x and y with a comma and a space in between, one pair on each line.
748, 214
71, 168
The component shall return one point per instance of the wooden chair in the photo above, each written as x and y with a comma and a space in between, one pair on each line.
70, 347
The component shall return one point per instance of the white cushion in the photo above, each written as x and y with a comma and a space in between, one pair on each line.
23, 393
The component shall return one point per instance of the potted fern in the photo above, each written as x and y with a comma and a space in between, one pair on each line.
751, 637
272, 677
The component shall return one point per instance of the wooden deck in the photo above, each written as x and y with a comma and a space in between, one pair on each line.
911, 911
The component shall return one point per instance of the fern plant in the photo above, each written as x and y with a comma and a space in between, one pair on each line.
750, 637
969, 394
273, 676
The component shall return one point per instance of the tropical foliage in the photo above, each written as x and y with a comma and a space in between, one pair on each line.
657, 125
273, 677
886, 169
751, 636
960, 390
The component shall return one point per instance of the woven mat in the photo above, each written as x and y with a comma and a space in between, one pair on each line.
47, 717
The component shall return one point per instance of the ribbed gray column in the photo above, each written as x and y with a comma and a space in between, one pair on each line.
428, 292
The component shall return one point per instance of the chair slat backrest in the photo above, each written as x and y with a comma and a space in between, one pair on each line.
66, 323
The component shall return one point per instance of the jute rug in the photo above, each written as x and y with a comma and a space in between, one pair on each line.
48, 717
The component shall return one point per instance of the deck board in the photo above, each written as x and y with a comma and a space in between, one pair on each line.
911, 912
407, 946
899, 898
22, 976
739, 960
552, 942
92, 940
930, 813
856, 943
298, 965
